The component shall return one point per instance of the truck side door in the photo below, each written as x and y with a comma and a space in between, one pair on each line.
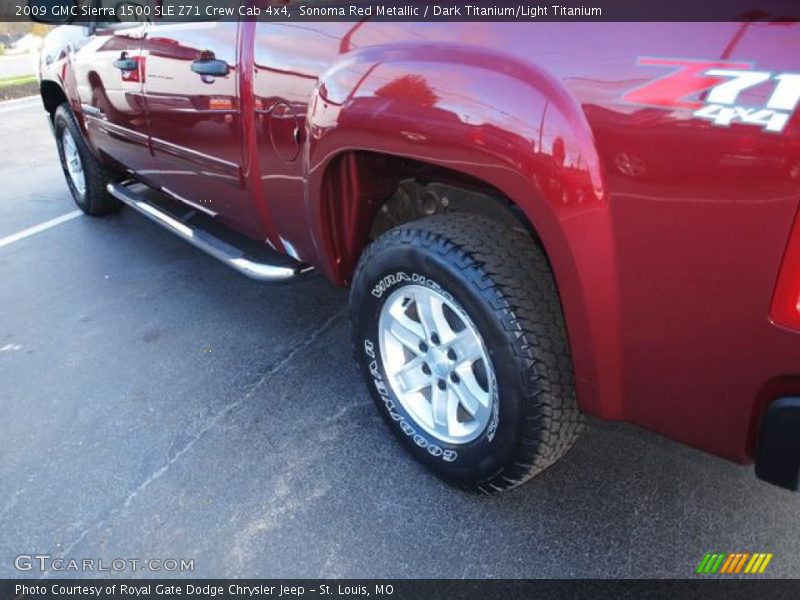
109, 73
193, 107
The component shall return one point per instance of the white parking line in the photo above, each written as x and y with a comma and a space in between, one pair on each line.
21, 235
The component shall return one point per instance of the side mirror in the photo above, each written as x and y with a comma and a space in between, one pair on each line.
53, 12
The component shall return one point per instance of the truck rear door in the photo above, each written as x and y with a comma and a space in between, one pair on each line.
193, 107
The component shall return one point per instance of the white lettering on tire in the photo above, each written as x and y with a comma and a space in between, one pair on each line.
389, 404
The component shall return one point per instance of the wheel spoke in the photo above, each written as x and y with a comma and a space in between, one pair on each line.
72, 161
431, 314
467, 400
406, 335
407, 331
440, 408
452, 409
470, 394
467, 347
411, 377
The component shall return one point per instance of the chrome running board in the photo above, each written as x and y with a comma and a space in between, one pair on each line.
135, 195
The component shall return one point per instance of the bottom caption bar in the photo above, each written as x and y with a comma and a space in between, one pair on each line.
402, 589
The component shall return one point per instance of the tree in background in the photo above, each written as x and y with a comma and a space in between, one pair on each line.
17, 30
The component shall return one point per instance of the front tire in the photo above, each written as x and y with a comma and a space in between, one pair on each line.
86, 176
458, 328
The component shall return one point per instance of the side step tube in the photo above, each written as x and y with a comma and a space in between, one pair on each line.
228, 254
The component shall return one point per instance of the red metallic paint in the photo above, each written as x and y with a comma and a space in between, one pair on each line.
666, 234
786, 304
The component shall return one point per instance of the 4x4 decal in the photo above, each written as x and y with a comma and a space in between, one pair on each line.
712, 90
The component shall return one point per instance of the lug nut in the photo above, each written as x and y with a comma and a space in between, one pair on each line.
442, 385
451, 354
454, 377
426, 369
423, 347
435, 339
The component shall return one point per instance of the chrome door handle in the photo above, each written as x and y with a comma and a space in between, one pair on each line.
126, 64
211, 67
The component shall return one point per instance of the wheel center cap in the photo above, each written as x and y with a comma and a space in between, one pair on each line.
439, 363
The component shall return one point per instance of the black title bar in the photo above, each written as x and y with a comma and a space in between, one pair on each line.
132, 11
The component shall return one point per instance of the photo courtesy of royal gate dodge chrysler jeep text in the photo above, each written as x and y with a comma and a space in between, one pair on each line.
532, 227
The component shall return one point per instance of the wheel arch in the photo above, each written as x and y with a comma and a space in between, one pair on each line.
52, 95
512, 129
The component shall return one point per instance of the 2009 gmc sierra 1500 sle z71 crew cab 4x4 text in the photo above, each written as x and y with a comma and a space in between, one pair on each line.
534, 223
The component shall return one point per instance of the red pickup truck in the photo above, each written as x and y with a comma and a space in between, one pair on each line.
535, 221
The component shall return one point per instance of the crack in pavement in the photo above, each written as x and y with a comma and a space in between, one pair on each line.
212, 422
339, 414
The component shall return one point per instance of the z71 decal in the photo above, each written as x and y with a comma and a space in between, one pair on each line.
712, 90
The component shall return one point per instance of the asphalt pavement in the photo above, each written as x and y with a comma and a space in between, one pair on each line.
157, 405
